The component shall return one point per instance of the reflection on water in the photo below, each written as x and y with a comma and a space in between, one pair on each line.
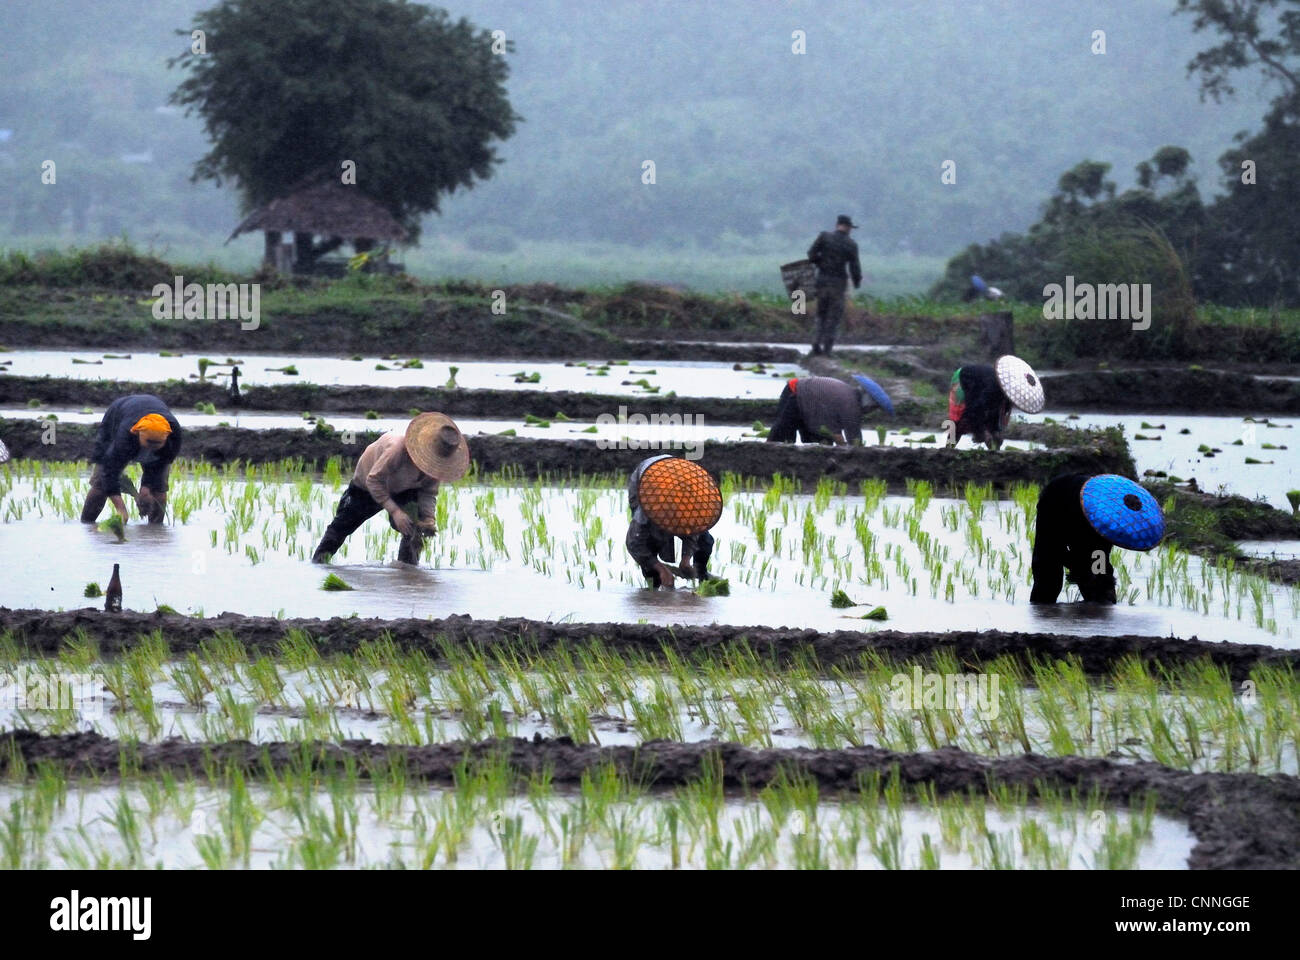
685, 378
550, 553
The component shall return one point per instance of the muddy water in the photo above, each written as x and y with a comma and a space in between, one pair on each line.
1233, 438
1271, 549
567, 561
635, 429
684, 378
401, 833
357, 710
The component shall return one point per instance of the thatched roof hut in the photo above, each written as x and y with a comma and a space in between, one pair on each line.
328, 208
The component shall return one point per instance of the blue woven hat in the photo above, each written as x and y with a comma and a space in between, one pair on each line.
1122, 512
876, 393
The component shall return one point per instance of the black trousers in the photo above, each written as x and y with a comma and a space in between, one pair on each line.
645, 542
789, 424
830, 311
97, 497
356, 506
1066, 545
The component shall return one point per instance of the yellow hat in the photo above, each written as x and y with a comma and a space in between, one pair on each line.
152, 423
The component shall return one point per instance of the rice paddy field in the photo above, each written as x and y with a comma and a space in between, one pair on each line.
519, 699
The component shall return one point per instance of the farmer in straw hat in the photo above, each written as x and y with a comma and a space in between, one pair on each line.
669, 497
136, 427
1080, 519
395, 471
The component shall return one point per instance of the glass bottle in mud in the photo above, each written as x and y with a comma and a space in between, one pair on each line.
113, 595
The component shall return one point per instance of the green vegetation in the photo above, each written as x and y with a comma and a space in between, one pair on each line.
334, 582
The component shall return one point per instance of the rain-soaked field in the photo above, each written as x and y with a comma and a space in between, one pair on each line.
444, 783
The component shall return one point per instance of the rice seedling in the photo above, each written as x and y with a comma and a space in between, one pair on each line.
333, 581
115, 526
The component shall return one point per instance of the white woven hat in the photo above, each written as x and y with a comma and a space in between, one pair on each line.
1021, 385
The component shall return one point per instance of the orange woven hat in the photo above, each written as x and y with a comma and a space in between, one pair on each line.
679, 496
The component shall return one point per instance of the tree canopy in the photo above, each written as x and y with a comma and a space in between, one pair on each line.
288, 88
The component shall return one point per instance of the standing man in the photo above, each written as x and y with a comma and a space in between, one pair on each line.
135, 427
395, 471
668, 497
833, 252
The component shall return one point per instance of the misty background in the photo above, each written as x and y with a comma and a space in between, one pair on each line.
755, 148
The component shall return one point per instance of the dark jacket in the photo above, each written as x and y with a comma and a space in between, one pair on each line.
116, 445
1065, 540
829, 406
976, 402
833, 251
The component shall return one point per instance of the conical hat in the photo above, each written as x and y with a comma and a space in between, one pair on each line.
679, 496
876, 392
1019, 382
1122, 511
435, 445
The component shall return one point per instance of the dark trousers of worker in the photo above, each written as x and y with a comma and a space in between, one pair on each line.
789, 424
645, 542
1065, 541
830, 311
97, 497
356, 506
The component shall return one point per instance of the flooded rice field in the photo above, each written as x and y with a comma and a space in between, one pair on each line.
616, 377
1249, 457
552, 553
606, 825
671, 435
1191, 717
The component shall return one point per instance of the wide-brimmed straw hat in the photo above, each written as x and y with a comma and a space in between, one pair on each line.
435, 445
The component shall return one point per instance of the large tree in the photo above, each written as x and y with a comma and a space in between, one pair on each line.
1252, 253
287, 88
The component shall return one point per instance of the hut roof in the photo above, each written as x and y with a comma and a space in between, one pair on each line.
326, 207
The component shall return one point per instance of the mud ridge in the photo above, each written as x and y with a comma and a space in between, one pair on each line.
1240, 821
1161, 389
43, 632
399, 401
557, 459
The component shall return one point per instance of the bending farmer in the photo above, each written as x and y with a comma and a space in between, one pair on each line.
669, 497
1080, 518
395, 472
136, 427
825, 410
980, 398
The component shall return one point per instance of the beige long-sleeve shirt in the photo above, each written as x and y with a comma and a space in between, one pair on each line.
385, 469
